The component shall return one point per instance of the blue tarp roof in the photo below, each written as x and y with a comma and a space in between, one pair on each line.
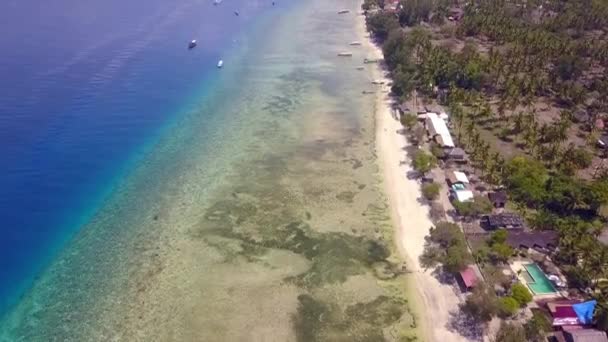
584, 311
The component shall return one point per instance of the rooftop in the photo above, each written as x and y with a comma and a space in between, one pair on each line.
541, 239
437, 126
464, 195
469, 277
585, 335
456, 153
505, 220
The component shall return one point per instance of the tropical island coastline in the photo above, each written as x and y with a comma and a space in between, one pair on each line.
499, 160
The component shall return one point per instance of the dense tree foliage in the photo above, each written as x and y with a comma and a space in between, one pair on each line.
494, 69
536, 327
446, 246
430, 190
481, 305
423, 162
507, 306
521, 294
510, 332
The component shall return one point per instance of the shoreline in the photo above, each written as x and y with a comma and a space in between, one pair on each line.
435, 302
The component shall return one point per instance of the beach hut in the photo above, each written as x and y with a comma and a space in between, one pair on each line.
457, 155
498, 198
468, 278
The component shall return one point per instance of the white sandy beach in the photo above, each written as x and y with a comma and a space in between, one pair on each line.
410, 217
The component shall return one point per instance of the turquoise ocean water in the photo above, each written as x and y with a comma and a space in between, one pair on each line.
88, 88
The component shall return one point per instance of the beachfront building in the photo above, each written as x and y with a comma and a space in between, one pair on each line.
542, 241
456, 155
469, 277
585, 335
573, 320
458, 178
509, 221
463, 195
438, 130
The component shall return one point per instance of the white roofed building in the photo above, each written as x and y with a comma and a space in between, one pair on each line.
438, 130
464, 195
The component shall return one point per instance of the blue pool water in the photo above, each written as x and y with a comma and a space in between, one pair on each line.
87, 86
540, 284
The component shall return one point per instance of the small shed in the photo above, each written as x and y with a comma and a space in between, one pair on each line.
498, 198
469, 278
585, 335
456, 154
510, 221
464, 195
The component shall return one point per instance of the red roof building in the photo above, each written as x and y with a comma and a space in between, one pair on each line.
469, 277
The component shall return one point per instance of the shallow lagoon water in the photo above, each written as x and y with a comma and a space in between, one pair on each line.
263, 222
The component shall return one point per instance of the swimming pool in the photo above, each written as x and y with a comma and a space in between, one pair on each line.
539, 283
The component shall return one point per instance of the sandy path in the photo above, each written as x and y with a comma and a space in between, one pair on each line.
410, 217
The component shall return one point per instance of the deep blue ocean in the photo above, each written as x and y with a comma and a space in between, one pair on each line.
85, 87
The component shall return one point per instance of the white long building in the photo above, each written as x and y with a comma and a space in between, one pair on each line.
438, 130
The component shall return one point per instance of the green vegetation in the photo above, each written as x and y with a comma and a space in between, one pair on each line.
525, 85
537, 326
423, 162
478, 206
430, 191
318, 321
481, 305
532, 331
521, 294
510, 332
408, 120
507, 306
499, 250
446, 246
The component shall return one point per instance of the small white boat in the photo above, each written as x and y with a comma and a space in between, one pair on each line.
355, 43
220, 63
377, 82
345, 54
344, 11
192, 44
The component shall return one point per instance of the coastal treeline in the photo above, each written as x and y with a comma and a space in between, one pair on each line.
526, 87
